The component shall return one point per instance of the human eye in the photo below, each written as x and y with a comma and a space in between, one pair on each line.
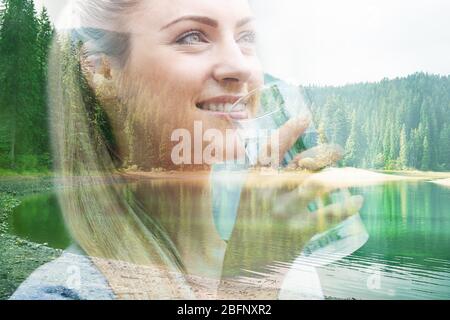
191, 37
247, 37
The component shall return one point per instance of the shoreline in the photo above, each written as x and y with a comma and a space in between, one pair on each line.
419, 174
262, 178
442, 182
357, 175
20, 257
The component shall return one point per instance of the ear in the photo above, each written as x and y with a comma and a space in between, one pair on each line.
100, 76
97, 64
104, 68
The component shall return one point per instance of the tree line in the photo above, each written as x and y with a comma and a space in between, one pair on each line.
25, 38
393, 124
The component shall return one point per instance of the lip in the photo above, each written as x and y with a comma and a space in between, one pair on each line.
236, 115
221, 99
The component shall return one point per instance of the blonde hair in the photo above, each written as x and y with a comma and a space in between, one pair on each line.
104, 218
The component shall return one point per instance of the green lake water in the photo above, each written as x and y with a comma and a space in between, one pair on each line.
407, 255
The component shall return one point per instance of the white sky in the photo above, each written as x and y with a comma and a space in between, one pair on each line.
336, 42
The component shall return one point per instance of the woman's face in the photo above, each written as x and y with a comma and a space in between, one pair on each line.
194, 59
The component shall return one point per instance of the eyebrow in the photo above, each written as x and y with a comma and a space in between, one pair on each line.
205, 20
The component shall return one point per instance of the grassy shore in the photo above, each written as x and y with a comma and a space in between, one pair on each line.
4, 173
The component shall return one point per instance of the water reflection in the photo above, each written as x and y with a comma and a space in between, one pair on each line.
408, 252
39, 220
407, 255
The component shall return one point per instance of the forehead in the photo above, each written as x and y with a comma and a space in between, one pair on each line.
161, 12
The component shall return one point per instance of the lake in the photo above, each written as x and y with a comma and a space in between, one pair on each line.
406, 256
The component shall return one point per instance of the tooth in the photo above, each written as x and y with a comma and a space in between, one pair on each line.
238, 107
220, 108
212, 107
228, 107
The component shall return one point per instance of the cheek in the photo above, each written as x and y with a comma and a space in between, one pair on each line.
165, 70
188, 72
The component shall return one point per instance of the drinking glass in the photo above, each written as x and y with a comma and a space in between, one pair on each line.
271, 107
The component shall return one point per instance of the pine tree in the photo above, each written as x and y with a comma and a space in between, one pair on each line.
403, 158
444, 148
20, 84
351, 147
322, 139
387, 143
425, 163
339, 127
44, 40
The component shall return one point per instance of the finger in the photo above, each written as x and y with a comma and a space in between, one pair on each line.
333, 214
291, 203
318, 157
329, 216
284, 139
288, 204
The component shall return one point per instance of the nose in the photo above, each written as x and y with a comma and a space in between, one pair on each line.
232, 66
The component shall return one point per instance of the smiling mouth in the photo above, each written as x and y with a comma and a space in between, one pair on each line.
222, 107
226, 105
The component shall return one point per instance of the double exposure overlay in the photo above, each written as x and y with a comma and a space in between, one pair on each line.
185, 149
